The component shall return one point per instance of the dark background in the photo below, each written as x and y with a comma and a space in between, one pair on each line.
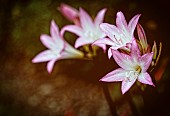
21, 24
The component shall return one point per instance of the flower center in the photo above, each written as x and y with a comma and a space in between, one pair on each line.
118, 40
131, 75
91, 35
138, 69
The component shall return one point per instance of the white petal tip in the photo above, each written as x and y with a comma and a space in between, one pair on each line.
49, 70
33, 61
76, 45
123, 92
119, 13
100, 80
101, 25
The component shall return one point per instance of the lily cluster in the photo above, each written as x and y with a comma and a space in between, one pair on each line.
134, 55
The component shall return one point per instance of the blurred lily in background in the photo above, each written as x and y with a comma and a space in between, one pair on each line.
88, 31
58, 48
70, 13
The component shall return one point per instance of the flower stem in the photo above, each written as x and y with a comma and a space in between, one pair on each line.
132, 105
109, 99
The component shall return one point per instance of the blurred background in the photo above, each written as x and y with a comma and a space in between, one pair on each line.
73, 89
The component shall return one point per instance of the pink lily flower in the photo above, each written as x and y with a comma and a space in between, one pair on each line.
133, 67
120, 35
89, 30
70, 13
57, 48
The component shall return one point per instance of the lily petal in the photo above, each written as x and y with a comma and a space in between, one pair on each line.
110, 30
116, 75
135, 52
126, 85
120, 21
47, 41
54, 30
106, 41
50, 65
69, 12
44, 56
57, 40
103, 46
145, 79
133, 22
70, 52
142, 38
145, 61
109, 53
110, 50
100, 16
83, 41
72, 28
85, 19
123, 60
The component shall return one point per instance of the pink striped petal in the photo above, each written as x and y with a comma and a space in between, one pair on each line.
106, 41
100, 17
142, 38
123, 60
126, 85
110, 51
132, 23
110, 30
114, 76
145, 79
121, 21
145, 61
135, 52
